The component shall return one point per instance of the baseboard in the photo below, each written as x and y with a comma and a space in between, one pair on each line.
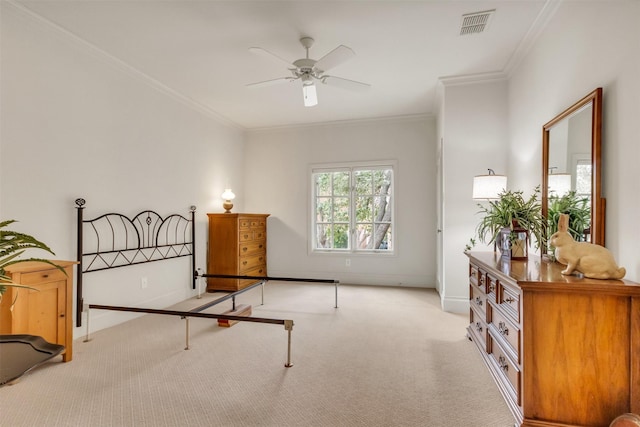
455, 304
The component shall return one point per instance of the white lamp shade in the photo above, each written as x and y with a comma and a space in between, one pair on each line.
559, 184
487, 187
228, 194
309, 94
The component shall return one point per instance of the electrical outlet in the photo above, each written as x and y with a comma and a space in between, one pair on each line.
347, 262
144, 283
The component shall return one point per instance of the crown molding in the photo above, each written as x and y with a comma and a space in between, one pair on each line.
123, 66
526, 44
539, 24
467, 79
404, 118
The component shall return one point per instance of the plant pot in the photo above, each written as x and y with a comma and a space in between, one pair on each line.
513, 242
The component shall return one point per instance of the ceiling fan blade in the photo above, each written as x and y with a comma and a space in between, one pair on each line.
345, 83
263, 52
272, 82
336, 57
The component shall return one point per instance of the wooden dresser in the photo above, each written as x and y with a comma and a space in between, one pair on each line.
45, 310
563, 350
237, 246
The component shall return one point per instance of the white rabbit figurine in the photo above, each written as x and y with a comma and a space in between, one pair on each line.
594, 261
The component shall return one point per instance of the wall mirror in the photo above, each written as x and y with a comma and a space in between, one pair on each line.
572, 170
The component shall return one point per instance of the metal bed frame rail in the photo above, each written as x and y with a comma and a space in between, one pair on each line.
288, 324
263, 279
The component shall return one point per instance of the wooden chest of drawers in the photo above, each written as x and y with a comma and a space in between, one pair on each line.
563, 350
45, 310
237, 246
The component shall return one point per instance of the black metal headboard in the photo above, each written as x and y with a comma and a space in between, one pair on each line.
113, 240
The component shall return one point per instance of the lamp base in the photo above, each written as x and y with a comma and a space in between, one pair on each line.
227, 205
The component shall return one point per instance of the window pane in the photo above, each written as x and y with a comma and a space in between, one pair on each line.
323, 209
341, 209
364, 209
364, 233
384, 241
341, 236
323, 184
323, 236
382, 237
583, 178
382, 209
363, 181
341, 183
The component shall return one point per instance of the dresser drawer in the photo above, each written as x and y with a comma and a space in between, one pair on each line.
508, 372
492, 286
251, 262
260, 234
40, 277
478, 299
245, 235
478, 328
259, 271
250, 222
244, 222
252, 247
509, 301
474, 274
507, 331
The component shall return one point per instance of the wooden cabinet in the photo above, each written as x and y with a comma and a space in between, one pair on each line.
563, 350
45, 310
237, 246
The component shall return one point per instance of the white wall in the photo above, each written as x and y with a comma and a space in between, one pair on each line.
585, 45
473, 125
77, 124
277, 181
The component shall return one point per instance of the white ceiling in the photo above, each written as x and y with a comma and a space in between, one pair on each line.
198, 50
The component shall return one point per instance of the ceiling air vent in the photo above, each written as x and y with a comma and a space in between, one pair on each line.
475, 22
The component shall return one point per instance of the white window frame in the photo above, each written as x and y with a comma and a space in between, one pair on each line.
351, 167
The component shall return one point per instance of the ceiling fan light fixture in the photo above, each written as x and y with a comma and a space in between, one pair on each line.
309, 94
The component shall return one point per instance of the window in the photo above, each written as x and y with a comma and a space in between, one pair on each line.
353, 208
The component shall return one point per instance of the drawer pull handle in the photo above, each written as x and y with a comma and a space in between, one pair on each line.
44, 276
244, 262
502, 328
503, 363
478, 327
478, 301
244, 249
482, 280
62, 315
509, 300
492, 287
260, 246
246, 236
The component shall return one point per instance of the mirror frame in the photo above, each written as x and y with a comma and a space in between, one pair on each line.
597, 201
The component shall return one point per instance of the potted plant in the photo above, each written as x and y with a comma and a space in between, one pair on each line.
510, 221
12, 245
579, 210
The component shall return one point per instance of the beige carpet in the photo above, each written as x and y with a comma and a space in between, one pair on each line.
386, 357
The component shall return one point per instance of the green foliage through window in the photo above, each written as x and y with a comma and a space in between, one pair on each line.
353, 208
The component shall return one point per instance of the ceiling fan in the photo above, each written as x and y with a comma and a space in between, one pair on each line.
309, 70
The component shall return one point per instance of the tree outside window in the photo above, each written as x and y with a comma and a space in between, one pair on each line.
353, 209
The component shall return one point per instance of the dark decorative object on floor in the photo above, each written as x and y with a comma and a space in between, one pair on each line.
21, 353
